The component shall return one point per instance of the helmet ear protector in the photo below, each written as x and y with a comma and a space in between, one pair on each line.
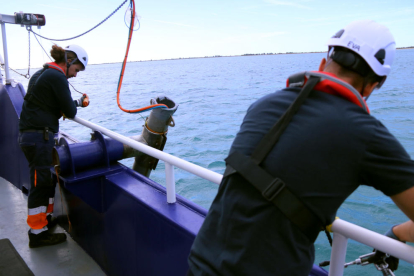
364, 43
355, 62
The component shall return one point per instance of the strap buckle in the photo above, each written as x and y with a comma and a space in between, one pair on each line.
274, 188
46, 133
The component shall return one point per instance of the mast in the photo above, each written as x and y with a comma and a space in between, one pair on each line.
24, 19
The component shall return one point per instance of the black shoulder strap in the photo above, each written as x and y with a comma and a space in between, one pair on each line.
274, 189
271, 138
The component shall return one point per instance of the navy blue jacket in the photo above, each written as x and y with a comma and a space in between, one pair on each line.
52, 89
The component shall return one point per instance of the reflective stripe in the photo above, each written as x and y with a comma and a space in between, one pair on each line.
37, 221
37, 210
49, 209
50, 206
38, 231
35, 178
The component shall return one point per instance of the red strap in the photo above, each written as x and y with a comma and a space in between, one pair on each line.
54, 65
334, 88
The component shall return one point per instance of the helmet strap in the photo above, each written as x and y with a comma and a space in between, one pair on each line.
69, 64
381, 82
364, 84
349, 60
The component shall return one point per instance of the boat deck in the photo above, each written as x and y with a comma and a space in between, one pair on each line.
67, 258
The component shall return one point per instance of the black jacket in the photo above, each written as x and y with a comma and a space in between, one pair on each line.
51, 88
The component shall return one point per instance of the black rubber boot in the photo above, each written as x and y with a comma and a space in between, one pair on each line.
45, 238
51, 222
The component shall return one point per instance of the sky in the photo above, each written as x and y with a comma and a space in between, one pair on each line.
197, 28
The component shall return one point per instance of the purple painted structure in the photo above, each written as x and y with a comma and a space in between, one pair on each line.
122, 219
13, 164
100, 151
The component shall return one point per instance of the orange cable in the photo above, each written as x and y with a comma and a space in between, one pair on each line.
121, 77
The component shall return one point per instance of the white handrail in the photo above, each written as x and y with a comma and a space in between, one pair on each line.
342, 229
168, 158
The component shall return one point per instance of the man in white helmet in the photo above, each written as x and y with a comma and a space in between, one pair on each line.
299, 154
48, 98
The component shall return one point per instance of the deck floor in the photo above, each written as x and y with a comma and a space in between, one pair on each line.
67, 258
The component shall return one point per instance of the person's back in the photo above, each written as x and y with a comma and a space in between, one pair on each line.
330, 147
323, 156
49, 87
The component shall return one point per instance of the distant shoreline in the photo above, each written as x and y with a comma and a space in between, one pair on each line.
244, 55
219, 56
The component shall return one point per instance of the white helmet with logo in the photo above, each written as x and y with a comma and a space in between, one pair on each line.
80, 53
372, 41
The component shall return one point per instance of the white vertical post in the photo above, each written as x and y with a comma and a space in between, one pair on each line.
6, 56
170, 182
338, 254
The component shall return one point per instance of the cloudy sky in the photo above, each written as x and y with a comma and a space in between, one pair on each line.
198, 28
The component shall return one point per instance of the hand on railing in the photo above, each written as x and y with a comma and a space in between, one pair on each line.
381, 258
383, 262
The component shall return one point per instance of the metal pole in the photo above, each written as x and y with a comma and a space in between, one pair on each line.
338, 254
170, 183
6, 56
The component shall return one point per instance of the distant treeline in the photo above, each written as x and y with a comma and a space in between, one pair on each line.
261, 54
409, 47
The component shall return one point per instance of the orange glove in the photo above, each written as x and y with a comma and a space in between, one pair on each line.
83, 101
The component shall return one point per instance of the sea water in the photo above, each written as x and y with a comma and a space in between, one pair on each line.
213, 95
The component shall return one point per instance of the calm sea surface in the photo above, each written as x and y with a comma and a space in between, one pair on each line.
213, 95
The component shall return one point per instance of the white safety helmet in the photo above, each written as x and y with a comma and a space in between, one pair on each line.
370, 40
80, 53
